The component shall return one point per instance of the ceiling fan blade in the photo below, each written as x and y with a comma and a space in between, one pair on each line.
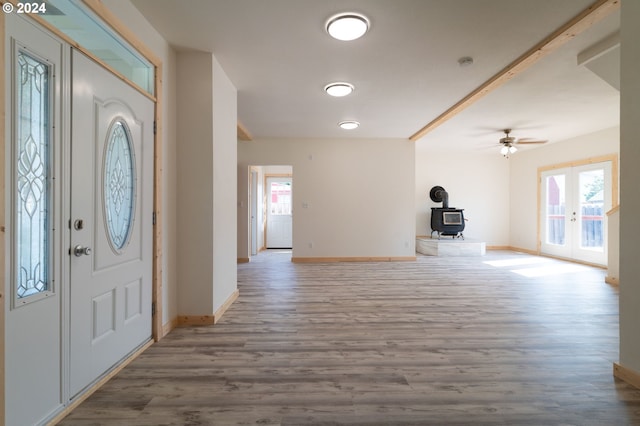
530, 142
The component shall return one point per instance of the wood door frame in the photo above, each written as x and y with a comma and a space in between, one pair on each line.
613, 158
119, 28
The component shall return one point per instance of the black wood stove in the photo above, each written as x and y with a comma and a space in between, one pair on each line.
445, 220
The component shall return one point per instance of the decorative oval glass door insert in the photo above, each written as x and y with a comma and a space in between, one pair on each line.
119, 182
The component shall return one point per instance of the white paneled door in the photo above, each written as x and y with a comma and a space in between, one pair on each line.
279, 212
111, 221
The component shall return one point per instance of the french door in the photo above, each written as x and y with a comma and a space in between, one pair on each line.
574, 202
279, 212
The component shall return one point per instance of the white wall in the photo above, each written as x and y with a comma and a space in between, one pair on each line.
207, 158
629, 193
475, 183
225, 190
358, 193
195, 183
524, 175
133, 19
222, 118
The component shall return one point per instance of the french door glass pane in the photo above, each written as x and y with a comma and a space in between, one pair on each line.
592, 209
32, 196
555, 212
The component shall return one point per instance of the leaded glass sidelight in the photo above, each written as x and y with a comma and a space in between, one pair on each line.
32, 192
119, 184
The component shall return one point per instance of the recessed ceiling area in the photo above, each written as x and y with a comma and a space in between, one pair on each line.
406, 67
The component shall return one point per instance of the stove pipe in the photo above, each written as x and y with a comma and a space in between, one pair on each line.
445, 198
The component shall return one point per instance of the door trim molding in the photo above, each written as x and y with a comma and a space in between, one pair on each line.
613, 158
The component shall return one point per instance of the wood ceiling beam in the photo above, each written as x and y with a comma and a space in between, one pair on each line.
581, 22
243, 133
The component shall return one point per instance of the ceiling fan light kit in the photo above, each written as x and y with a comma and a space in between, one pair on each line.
345, 27
508, 149
508, 143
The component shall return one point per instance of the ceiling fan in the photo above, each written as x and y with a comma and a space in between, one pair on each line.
509, 143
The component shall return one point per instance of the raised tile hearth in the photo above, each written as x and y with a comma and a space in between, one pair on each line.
447, 246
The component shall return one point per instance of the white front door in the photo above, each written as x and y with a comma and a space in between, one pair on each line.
279, 212
111, 221
574, 203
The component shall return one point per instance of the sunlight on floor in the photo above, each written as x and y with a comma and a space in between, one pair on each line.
543, 266
522, 260
553, 269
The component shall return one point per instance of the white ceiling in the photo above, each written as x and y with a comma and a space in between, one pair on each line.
405, 69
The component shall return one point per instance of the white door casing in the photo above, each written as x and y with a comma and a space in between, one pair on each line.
111, 280
279, 212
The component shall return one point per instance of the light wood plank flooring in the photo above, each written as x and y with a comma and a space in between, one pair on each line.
519, 340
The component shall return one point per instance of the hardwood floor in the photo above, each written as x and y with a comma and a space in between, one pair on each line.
506, 338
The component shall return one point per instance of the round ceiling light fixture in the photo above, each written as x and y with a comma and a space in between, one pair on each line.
347, 26
338, 89
349, 125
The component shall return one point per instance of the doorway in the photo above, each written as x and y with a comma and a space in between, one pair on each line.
279, 232
574, 200
270, 221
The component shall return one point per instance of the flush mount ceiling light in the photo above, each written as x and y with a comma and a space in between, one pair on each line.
347, 26
349, 125
339, 89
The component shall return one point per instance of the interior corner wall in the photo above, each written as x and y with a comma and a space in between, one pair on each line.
351, 197
206, 184
138, 25
523, 178
475, 183
195, 182
225, 192
629, 193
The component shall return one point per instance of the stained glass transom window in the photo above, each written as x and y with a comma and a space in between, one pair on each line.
33, 197
119, 184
